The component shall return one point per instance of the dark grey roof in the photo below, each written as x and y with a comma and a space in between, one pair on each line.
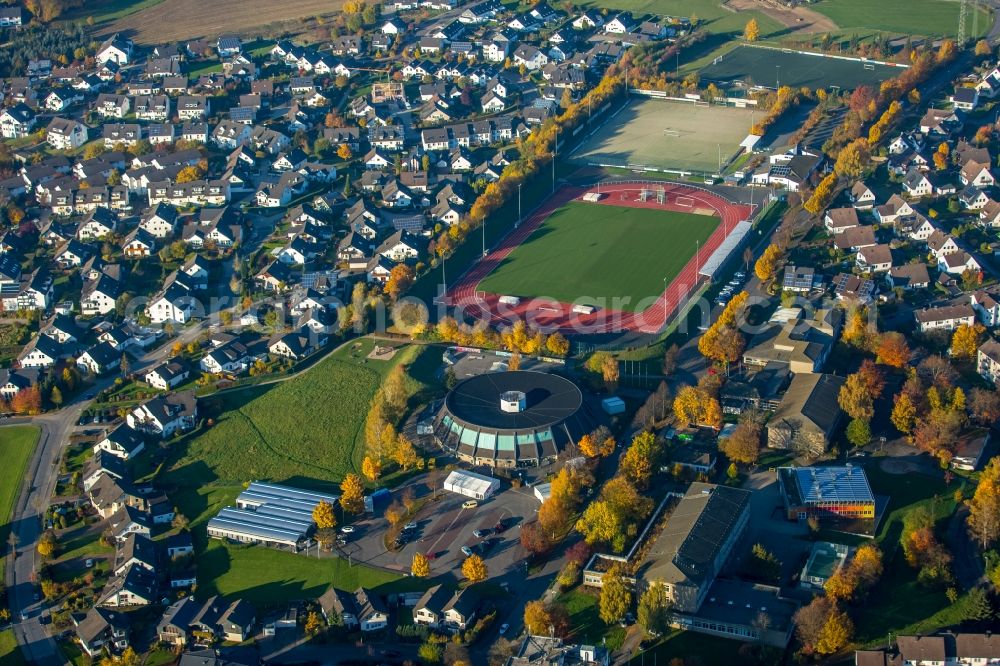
550, 400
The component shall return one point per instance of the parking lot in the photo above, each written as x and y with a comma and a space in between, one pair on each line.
443, 527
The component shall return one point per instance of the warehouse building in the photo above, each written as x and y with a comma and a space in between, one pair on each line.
270, 515
471, 484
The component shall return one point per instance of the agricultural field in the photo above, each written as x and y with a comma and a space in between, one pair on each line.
162, 21
771, 67
17, 443
668, 135
573, 254
932, 18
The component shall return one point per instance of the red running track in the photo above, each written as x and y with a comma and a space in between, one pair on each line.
551, 315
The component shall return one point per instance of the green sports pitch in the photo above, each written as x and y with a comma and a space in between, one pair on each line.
768, 67
592, 253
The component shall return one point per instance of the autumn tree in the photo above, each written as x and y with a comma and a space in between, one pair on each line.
404, 453
47, 545
557, 344
371, 468
983, 48
654, 609
751, 31
965, 341
860, 390
984, 405
352, 498
535, 538
344, 152
892, 350
401, 278
693, 405
537, 618
767, 265
743, 443
600, 523
189, 174
853, 159
420, 568
616, 598
474, 569
640, 458
836, 632
984, 507
904, 414
822, 195
323, 516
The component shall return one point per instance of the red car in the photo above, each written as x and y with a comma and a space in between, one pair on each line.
500, 526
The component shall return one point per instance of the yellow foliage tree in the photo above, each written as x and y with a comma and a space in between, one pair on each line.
537, 617
404, 453
835, 633
965, 341
352, 494
767, 264
323, 515
344, 152
420, 568
751, 31
474, 569
371, 468
984, 507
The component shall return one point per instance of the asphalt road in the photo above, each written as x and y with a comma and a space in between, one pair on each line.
26, 522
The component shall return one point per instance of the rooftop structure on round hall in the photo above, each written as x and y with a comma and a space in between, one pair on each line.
513, 419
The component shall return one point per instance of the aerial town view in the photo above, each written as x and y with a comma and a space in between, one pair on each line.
500, 332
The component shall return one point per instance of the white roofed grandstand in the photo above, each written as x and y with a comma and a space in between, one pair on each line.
269, 514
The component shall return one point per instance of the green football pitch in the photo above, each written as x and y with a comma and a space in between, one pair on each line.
594, 253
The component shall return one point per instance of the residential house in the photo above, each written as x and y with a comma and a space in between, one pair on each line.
808, 415
165, 415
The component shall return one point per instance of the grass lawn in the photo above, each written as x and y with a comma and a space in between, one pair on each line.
594, 253
898, 603
309, 427
588, 627
16, 445
307, 431
10, 654
679, 644
915, 17
268, 577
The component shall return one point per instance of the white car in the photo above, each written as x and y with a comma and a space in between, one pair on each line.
347, 529
409, 526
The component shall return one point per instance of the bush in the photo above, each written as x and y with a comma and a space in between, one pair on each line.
412, 633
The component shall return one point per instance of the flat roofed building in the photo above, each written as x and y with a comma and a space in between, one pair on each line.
825, 559
471, 484
269, 514
826, 492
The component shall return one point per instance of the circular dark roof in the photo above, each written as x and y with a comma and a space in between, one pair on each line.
550, 400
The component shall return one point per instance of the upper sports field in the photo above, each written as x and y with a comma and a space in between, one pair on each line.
592, 253
668, 135
770, 67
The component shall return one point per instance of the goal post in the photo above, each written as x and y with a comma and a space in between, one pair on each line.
687, 202
671, 132
869, 66
480, 296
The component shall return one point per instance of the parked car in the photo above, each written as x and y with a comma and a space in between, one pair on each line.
347, 529
503, 628
466, 551
479, 534
470, 504
409, 526
500, 526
